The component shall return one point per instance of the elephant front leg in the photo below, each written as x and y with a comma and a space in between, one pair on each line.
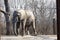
24, 23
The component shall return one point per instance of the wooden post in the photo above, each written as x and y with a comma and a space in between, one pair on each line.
58, 19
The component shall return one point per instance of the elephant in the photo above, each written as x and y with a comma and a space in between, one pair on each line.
24, 16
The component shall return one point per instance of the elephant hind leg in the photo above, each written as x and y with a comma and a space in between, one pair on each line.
33, 26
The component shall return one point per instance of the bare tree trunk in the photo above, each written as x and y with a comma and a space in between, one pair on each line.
7, 17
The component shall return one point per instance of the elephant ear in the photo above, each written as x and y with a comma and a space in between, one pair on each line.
14, 16
15, 13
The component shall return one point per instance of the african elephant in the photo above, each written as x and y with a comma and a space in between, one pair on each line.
24, 16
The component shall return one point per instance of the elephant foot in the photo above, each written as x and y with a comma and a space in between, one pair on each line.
28, 32
16, 35
35, 34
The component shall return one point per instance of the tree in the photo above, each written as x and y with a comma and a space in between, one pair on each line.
7, 16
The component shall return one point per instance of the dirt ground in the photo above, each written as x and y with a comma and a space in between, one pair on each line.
28, 37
